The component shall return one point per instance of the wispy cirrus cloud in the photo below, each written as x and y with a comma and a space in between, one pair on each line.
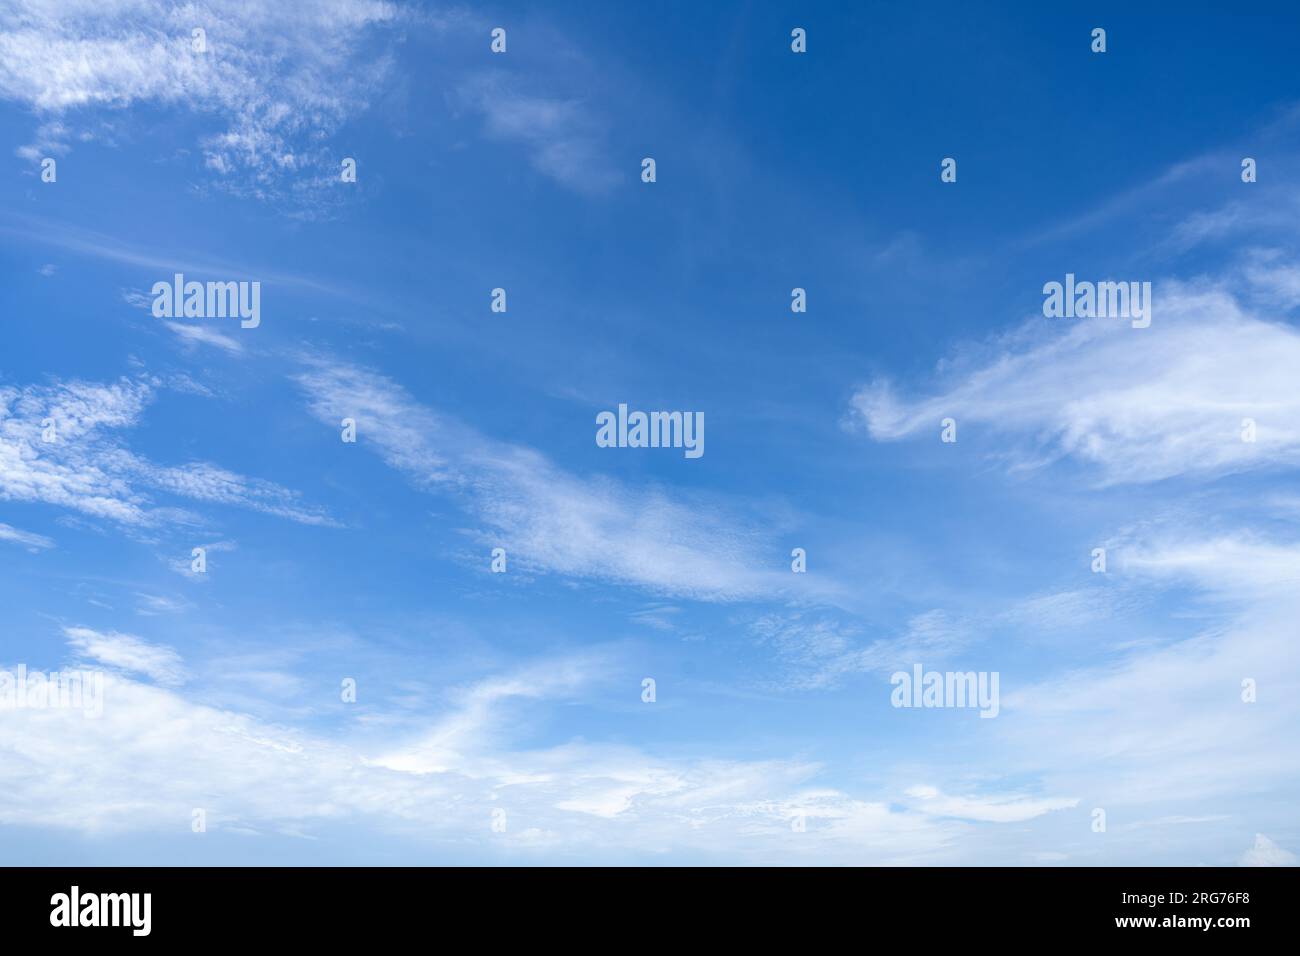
127, 653
547, 517
564, 137
151, 605
272, 99
1136, 405
27, 539
192, 336
819, 651
1192, 718
167, 260
85, 465
155, 753
996, 808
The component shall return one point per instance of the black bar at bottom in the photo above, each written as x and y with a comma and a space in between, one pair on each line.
645, 907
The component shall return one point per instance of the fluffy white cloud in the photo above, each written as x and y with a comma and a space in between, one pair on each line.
1267, 853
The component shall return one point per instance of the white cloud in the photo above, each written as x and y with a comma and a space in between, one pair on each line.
564, 138
547, 518
999, 808
193, 335
1271, 278
1062, 610
275, 99
1267, 853
28, 539
444, 746
87, 468
661, 617
165, 258
67, 471
1137, 405
1240, 566
127, 653
1169, 721
817, 651
154, 755
152, 605
1237, 220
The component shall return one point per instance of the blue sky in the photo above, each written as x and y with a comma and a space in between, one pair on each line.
772, 738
